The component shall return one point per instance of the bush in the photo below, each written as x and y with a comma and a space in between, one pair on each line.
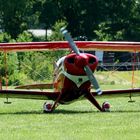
105, 32
5, 37
24, 37
56, 34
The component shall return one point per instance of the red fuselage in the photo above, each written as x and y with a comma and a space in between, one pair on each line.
71, 79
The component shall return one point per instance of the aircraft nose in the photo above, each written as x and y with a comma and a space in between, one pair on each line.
81, 60
74, 64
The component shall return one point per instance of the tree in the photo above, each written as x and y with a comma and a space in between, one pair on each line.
9, 68
120, 22
83, 17
56, 34
17, 15
50, 13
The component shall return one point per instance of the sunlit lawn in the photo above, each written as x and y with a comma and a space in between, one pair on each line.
118, 79
23, 119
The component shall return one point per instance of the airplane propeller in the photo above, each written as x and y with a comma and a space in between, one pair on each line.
86, 67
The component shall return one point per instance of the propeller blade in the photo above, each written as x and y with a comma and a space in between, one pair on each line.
93, 79
70, 40
86, 68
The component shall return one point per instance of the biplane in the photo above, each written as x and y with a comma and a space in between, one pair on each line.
73, 74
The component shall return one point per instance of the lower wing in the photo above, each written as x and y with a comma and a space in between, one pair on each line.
44, 95
120, 93
36, 86
26, 94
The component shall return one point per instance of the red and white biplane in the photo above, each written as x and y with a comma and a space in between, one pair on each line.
74, 73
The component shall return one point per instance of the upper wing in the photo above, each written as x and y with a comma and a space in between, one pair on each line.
114, 46
85, 45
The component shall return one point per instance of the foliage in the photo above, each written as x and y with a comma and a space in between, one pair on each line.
5, 37
9, 68
83, 17
12, 16
56, 34
36, 66
10, 62
50, 13
105, 33
39, 38
24, 37
97, 20
28, 66
120, 21
16, 15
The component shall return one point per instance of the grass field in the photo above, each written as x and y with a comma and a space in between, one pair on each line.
23, 119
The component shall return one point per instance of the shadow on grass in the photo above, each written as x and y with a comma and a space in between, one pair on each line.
125, 111
93, 111
67, 112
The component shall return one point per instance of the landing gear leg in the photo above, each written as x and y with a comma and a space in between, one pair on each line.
48, 108
91, 98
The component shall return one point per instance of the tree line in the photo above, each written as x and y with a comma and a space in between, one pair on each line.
96, 19
108, 20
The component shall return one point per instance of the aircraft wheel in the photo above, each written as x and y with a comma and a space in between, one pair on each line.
47, 107
106, 106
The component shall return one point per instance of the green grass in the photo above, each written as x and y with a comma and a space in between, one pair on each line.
23, 119
118, 79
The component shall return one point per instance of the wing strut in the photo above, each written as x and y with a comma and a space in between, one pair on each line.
133, 76
6, 77
91, 98
0, 82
